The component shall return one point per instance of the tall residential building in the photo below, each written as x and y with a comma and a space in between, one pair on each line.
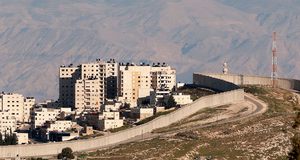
87, 86
29, 102
67, 79
18, 106
137, 81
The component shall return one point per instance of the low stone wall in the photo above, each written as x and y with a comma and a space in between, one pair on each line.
122, 136
292, 84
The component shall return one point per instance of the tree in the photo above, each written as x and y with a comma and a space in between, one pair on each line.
171, 102
6, 139
66, 153
14, 139
1, 139
9, 139
126, 105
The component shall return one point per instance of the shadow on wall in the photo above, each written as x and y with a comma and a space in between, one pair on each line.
214, 83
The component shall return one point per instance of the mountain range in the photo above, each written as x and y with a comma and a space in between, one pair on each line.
37, 36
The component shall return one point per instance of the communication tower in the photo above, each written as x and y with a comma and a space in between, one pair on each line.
274, 75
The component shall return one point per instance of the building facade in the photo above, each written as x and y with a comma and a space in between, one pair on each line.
41, 115
137, 81
60, 125
163, 77
110, 120
8, 122
182, 99
87, 86
22, 138
17, 105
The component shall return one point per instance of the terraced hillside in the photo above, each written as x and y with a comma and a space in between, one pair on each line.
265, 136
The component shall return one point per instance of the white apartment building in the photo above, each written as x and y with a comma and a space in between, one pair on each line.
22, 138
29, 102
60, 125
110, 120
7, 122
181, 99
105, 120
86, 86
113, 106
89, 95
109, 115
163, 77
17, 105
160, 97
40, 115
137, 81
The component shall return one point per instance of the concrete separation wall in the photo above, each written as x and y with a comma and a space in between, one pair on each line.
292, 84
122, 136
215, 83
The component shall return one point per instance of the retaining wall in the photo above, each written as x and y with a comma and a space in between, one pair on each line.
292, 84
122, 136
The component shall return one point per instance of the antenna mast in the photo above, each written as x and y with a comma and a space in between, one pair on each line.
274, 61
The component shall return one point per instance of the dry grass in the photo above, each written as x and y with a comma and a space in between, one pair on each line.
262, 137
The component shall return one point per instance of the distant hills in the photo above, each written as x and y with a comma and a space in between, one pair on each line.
37, 36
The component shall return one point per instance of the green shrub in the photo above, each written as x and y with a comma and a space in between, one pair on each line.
66, 153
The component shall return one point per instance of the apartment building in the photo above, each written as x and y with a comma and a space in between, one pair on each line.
182, 99
29, 103
67, 79
88, 85
8, 122
163, 77
111, 81
160, 97
89, 94
111, 106
110, 120
137, 81
104, 121
41, 115
60, 125
22, 138
17, 105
